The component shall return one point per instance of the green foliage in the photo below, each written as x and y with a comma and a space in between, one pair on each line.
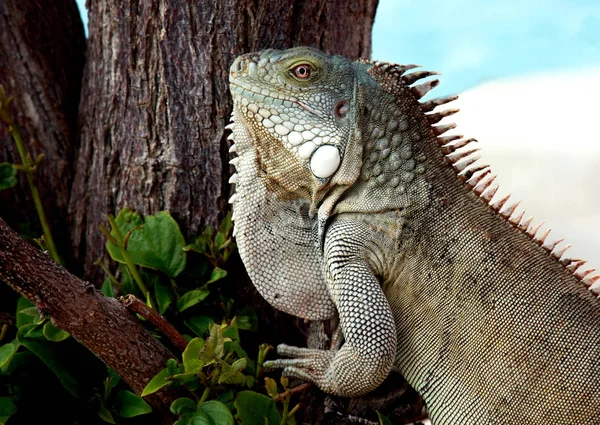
256, 409
154, 242
7, 409
130, 404
186, 283
8, 175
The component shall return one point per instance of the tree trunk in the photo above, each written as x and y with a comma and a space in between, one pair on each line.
42, 54
155, 101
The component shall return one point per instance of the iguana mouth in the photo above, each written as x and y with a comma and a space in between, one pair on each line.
237, 84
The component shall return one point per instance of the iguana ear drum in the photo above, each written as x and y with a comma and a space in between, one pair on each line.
325, 161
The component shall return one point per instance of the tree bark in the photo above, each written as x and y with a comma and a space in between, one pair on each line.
42, 54
155, 101
100, 323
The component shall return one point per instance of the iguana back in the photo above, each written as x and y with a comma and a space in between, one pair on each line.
351, 199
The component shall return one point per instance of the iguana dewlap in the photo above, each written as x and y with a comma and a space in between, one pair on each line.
349, 200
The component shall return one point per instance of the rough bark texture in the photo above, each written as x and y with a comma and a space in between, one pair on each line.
100, 323
155, 100
42, 54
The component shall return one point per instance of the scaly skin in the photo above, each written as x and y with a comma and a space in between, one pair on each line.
346, 203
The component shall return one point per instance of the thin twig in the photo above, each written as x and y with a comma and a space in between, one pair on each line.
297, 389
136, 305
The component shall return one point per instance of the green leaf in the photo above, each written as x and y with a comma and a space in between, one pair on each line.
271, 387
218, 412
191, 356
113, 376
158, 244
199, 324
231, 374
226, 225
164, 296
216, 274
253, 408
54, 334
32, 337
8, 175
227, 399
107, 288
201, 418
156, 383
183, 406
214, 347
192, 298
7, 409
173, 367
24, 318
105, 415
130, 404
383, 420
7, 351
246, 319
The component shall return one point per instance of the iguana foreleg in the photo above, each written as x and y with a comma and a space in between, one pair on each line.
366, 321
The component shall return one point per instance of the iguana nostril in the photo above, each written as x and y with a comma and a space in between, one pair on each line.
239, 65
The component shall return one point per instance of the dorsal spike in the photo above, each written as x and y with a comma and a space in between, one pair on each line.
553, 245
474, 181
581, 274
558, 254
453, 147
230, 126
232, 148
480, 188
441, 129
531, 232
497, 206
489, 194
403, 68
574, 265
461, 166
430, 105
525, 225
542, 238
416, 76
457, 156
421, 90
594, 285
471, 171
510, 210
443, 140
438, 116
516, 219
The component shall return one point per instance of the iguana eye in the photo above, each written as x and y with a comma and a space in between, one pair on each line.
302, 71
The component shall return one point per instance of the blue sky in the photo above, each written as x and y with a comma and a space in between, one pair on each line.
474, 41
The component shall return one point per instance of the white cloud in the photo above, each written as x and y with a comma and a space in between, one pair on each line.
540, 135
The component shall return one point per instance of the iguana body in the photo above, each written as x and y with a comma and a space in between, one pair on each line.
348, 200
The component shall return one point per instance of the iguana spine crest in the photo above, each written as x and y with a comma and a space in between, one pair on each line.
477, 177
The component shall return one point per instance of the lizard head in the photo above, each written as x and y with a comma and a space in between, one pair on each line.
296, 109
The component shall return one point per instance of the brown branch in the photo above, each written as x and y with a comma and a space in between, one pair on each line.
100, 323
295, 390
135, 305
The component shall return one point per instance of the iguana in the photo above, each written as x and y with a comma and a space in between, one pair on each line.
350, 200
